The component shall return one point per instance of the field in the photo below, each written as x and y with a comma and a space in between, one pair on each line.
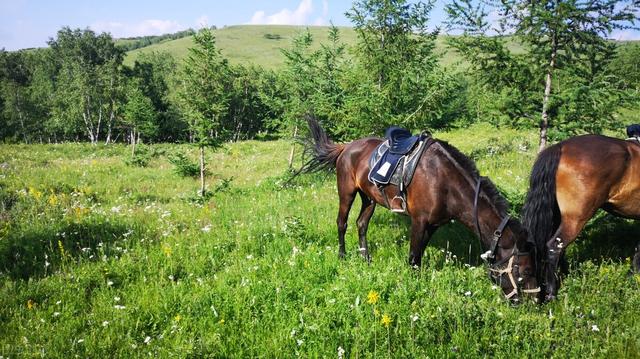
102, 259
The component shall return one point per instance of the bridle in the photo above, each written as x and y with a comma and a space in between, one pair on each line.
497, 269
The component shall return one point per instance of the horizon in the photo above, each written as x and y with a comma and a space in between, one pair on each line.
28, 24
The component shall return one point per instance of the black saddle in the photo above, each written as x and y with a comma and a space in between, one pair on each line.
401, 141
633, 130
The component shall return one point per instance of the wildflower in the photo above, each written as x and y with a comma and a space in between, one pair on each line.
55, 314
147, 339
30, 304
414, 317
206, 228
105, 323
61, 247
372, 297
109, 283
80, 341
341, 352
221, 321
594, 328
167, 250
117, 299
119, 307
299, 341
386, 320
467, 293
53, 200
177, 318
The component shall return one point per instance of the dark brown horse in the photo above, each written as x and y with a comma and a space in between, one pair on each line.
569, 182
445, 186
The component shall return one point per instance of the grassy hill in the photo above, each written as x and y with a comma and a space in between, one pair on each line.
101, 259
260, 44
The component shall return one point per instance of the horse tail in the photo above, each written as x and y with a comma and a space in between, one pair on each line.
320, 148
541, 215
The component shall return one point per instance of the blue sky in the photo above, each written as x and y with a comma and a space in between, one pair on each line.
30, 23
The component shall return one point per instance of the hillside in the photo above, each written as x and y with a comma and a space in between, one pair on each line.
259, 44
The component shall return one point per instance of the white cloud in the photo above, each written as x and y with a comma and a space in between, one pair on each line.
202, 21
143, 28
625, 35
300, 16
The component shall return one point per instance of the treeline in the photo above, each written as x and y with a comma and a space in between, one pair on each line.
567, 80
132, 43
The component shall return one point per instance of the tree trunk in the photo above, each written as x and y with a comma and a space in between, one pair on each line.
544, 122
293, 147
201, 171
133, 142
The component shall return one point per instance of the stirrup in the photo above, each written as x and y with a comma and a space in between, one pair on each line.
403, 205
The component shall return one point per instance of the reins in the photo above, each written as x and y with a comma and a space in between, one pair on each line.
490, 255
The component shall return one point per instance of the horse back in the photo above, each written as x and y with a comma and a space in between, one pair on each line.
599, 171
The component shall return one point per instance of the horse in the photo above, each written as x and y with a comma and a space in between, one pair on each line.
569, 182
446, 185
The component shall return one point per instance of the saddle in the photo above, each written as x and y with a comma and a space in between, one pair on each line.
394, 161
633, 132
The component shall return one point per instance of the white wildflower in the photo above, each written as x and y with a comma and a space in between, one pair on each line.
105, 323
147, 340
594, 328
206, 228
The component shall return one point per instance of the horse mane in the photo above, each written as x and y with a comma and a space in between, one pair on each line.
488, 187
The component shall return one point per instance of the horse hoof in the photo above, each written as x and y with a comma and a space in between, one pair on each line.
341, 255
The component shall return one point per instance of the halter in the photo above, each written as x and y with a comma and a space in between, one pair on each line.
489, 256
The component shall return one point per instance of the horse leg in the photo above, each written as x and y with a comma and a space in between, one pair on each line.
567, 232
420, 233
346, 200
366, 211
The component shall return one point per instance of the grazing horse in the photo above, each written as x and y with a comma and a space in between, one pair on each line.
445, 186
569, 182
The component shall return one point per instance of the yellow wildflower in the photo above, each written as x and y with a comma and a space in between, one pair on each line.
30, 304
53, 200
178, 317
61, 247
221, 321
372, 297
167, 250
386, 320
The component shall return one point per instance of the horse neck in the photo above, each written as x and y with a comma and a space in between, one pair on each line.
489, 217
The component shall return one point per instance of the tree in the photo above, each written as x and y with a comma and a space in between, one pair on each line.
88, 79
398, 79
556, 34
139, 115
204, 94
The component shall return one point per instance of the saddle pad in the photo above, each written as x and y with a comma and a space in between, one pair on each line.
386, 164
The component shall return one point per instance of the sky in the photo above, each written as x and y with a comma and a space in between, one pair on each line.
30, 23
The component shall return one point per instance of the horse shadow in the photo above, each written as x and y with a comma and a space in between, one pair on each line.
457, 242
604, 238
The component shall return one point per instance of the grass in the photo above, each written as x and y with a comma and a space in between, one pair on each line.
261, 45
100, 259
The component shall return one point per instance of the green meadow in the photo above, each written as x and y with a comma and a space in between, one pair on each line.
99, 258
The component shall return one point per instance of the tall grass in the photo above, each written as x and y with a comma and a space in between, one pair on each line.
102, 259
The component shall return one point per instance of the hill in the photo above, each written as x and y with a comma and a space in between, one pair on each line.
260, 44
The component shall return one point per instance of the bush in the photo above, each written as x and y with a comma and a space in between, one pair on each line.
184, 166
141, 157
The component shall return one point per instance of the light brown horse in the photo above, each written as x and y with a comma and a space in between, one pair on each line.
445, 186
569, 182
